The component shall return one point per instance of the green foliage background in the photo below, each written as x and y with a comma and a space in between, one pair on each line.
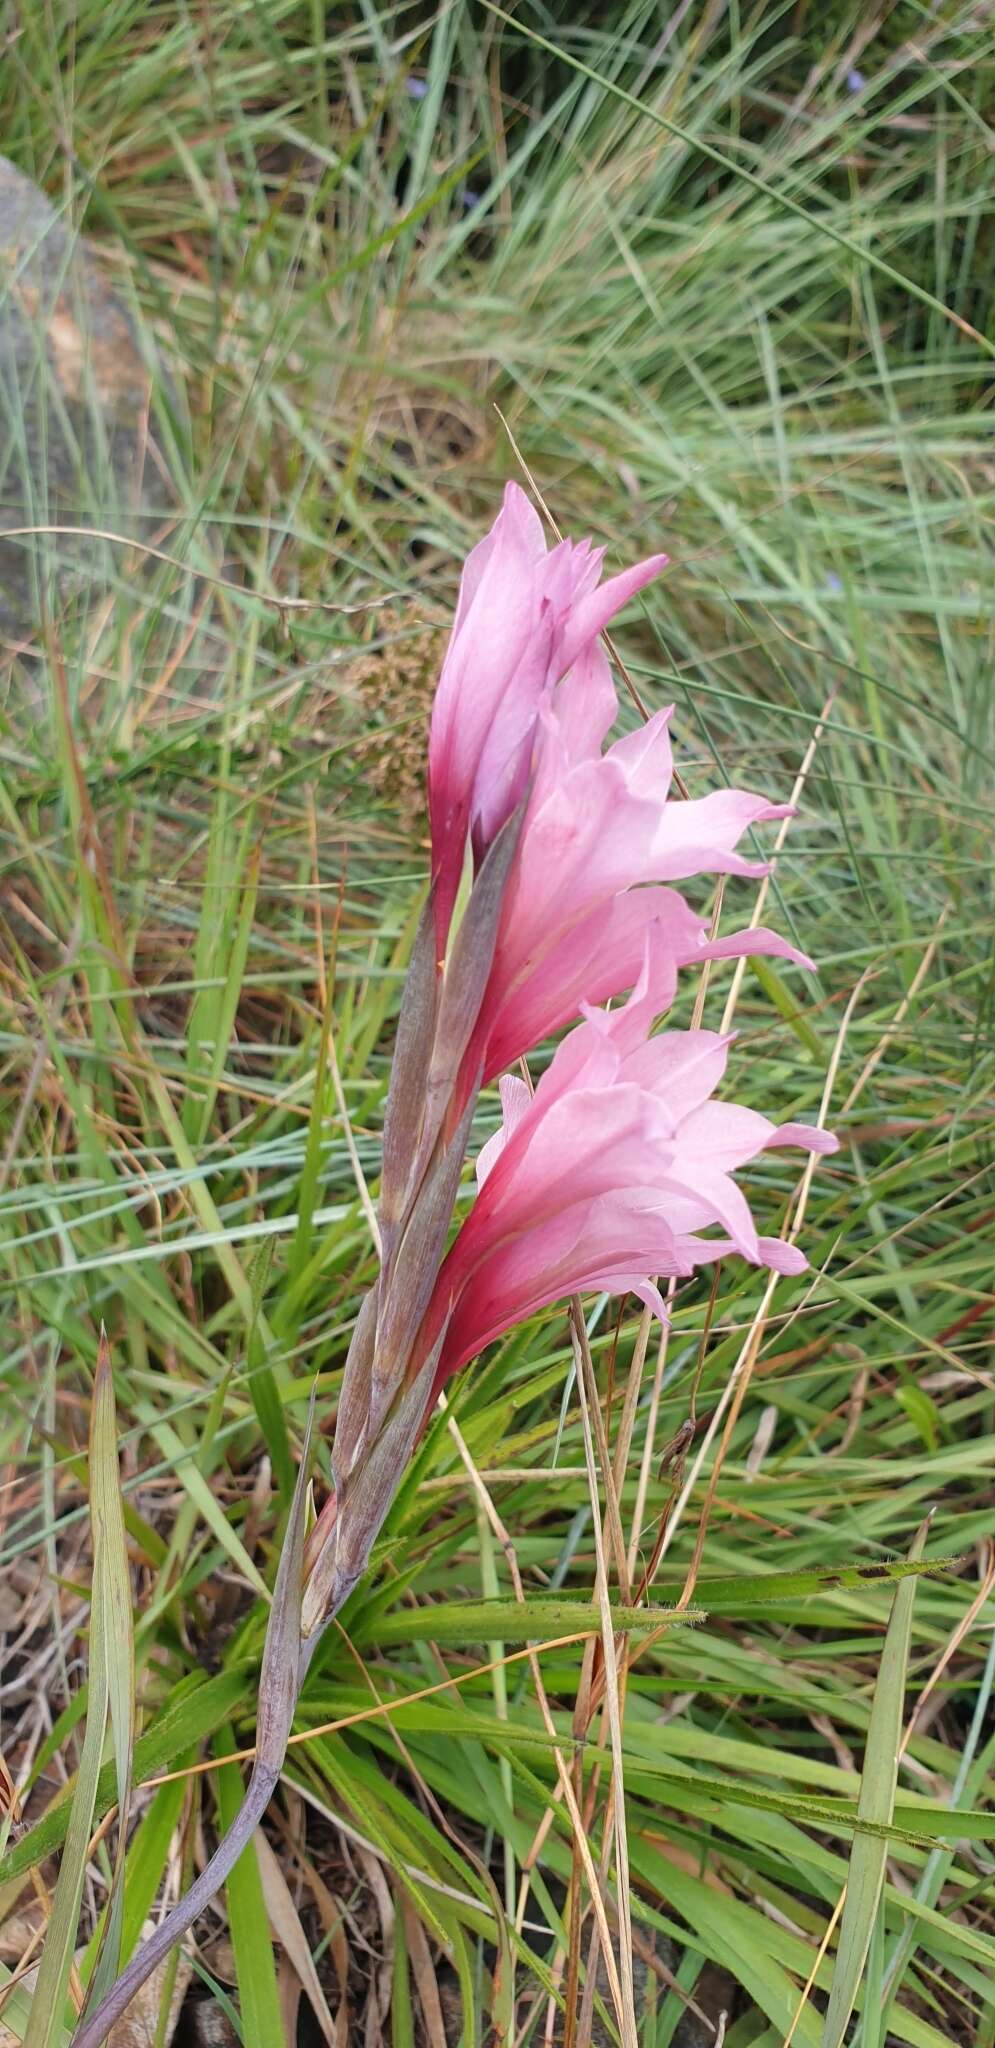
726, 271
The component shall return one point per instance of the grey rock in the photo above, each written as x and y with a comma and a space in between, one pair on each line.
76, 382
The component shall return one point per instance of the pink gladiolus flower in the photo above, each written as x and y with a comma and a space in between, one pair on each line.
608, 1175
523, 618
573, 923
621, 1168
617, 1170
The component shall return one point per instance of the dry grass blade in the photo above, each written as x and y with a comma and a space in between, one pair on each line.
565, 1784
887, 1037
286, 1925
425, 1977
587, 1393
783, 829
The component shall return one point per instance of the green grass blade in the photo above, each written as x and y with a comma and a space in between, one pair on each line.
112, 1640
259, 2002
484, 1621
876, 1803
778, 198
47, 2018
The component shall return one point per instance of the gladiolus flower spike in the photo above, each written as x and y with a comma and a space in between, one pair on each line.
619, 1169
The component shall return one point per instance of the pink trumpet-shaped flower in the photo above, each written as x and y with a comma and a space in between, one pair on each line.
573, 922
606, 1176
617, 1170
523, 618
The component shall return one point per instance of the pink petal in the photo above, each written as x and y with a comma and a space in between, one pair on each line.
586, 704
524, 618
726, 1135
598, 607
681, 1068
505, 758
647, 757
811, 1137
782, 1257
723, 1135
517, 523
585, 1247
589, 839
756, 940
601, 829
589, 962
500, 584
698, 836
718, 1200
516, 1099
773, 1252
584, 1059
586, 1143
597, 958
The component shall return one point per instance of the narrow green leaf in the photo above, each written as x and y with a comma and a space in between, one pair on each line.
402, 2000
223, 1011
922, 1413
112, 1638
193, 1480
753, 1592
786, 1005
148, 1855
16, 2005
262, 2024
48, 2005
484, 1621
876, 1804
